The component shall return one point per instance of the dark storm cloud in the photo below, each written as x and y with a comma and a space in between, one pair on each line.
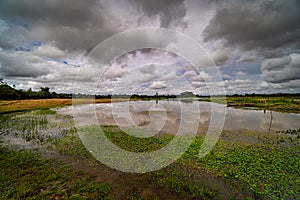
78, 24
280, 70
168, 10
11, 36
65, 12
73, 24
262, 24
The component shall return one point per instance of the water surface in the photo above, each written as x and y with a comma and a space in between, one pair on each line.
179, 116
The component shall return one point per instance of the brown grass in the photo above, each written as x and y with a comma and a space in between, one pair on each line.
7, 106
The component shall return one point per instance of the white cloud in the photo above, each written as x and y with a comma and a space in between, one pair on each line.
221, 55
49, 51
158, 85
240, 73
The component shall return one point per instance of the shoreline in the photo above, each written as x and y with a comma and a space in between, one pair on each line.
278, 104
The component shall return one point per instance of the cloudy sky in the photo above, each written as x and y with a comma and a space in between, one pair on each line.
253, 45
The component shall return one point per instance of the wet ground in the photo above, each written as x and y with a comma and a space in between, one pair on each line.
43, 130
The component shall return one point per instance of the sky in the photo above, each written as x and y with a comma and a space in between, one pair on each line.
250, 46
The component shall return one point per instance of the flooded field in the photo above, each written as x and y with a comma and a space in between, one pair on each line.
252, 143
166, 116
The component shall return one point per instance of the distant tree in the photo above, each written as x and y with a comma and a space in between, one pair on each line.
44, 92
187, 94
45, 89
2, 82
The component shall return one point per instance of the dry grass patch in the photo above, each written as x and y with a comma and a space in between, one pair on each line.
7, 106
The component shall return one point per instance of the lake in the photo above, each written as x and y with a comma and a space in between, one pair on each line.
184, 115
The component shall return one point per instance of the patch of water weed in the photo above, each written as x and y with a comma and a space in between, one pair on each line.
266, 171
24, 175
179, 181
71, 145
271, 172
135, 144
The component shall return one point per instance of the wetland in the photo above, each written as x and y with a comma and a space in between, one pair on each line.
255, 157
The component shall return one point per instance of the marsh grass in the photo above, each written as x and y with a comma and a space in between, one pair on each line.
262, 171
135, 144
281, 104
24, 175
269, 171
266, 170
38, 127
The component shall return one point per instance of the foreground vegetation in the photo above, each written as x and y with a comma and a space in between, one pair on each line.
25, 175
268, 169
243, 164
285, 103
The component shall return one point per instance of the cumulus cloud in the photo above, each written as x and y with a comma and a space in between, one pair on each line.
49, 51
283, 69
13, 35
22, 64
158, 85
240, 73
169, 11
75, 24
247, 57
255, 44
221, 55
260, 24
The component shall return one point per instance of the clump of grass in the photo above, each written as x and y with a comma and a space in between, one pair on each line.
135, 144
35, 126
24, 175
46, 112
71, 145
179, 181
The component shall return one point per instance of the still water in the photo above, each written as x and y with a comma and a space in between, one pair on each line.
174, 116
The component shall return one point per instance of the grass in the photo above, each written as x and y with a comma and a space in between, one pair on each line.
24, 175
233, 170
33, 126
263, 171
135, 144
9, 106
230, 171
282, 104
269, 171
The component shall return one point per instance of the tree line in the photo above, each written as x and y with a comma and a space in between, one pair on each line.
9, 93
